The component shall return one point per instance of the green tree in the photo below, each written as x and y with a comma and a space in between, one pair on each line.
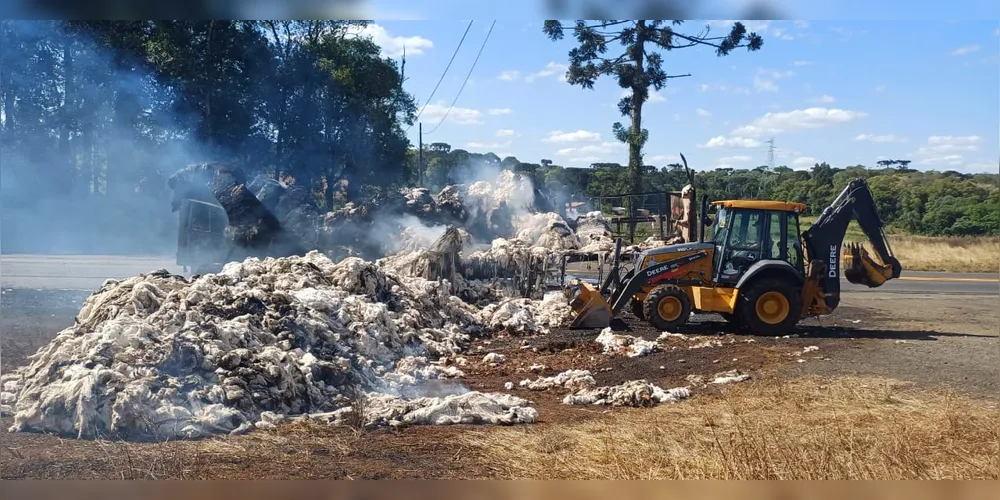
638, 67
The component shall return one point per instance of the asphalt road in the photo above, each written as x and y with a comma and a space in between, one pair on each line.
75, 272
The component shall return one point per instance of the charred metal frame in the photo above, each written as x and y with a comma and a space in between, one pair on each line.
659, 204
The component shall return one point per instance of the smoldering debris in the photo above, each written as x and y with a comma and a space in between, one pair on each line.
632, 393
329, 333
158, 356
481, 231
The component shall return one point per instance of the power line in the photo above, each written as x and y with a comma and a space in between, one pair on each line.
443, 74
466, 78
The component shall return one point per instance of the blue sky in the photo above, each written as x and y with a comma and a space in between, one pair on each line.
844, 92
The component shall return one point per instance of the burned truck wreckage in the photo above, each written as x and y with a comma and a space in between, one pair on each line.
479, 231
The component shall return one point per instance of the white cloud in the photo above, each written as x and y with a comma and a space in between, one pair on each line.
801, 63
879, 138
764, 80
781, 34
946, 152
730, 142
499, 111
804, 161
592, 150
968, 49
703, 112
488, 145
392, 46
509, 75
949, 160
552, 68
506, 132
939, 145
802, 24
721, 87
457, 116
879, 88
825, 99
578, 136
657, 158
585, 159
776, 123
810, 118
764, 85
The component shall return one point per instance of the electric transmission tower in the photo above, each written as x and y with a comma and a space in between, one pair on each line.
770, 154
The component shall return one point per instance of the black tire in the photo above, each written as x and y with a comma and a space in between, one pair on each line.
636, 306
651, 307
788, 296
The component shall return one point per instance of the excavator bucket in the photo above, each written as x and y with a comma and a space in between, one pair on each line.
861, 268
590, 308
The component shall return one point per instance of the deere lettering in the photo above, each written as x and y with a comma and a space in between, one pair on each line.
833, 261
658, 270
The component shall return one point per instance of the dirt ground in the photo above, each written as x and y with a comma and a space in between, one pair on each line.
939, 340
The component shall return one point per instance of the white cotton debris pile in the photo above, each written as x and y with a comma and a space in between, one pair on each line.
730, 377
155, 356
625, 344
632, 393
526, 315
494, 358
594, 233
569, 379
466, 408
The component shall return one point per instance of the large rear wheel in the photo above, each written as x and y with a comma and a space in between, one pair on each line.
769, 306
667, 307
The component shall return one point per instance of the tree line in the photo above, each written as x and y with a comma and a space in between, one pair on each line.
919, 202
94, 115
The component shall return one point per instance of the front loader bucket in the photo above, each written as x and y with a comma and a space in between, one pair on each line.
590, 308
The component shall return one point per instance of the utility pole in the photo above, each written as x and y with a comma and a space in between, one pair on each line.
420, 155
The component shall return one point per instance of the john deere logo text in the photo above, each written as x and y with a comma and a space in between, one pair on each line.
833, 261
656, 271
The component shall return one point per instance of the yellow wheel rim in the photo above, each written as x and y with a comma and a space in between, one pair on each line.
669, 308
773, 308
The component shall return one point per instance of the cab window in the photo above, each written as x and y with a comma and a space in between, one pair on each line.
793, 243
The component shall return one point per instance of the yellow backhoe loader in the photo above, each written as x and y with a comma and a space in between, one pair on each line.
757, 271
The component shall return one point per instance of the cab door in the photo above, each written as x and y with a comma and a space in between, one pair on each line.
743, 245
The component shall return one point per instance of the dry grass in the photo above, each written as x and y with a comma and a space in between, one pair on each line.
969, 254
812, 428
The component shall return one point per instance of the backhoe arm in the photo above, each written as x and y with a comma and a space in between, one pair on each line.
824, 239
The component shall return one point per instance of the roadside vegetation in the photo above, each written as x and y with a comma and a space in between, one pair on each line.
810, 428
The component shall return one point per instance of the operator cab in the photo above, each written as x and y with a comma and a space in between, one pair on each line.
749, 231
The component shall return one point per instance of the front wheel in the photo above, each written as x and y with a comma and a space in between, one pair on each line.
666, 307
769, 307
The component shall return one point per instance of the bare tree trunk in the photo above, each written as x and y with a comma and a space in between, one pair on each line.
634, 144
69, 176
7, 85
209, 81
